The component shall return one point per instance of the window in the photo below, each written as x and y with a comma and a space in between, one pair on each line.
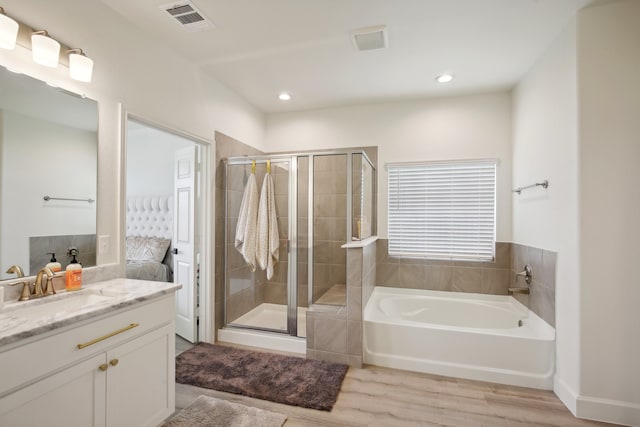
443, 210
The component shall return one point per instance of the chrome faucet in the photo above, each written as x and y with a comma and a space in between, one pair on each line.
528, 277
526, 273
522, 290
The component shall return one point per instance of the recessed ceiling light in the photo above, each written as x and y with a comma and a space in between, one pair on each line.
284, 96
444, 78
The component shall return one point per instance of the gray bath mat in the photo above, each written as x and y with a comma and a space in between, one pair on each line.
210, 412
284, 379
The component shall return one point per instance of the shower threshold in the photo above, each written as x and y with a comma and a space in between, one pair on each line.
273, 316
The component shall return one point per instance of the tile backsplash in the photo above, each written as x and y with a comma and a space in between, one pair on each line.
445, 275
477, 277
40, 246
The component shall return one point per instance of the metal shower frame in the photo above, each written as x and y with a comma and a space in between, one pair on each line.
292, 253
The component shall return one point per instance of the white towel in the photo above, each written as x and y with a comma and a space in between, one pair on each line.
268, 240
247, 223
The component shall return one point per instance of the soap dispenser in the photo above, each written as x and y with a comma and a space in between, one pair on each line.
53, 264
73, 275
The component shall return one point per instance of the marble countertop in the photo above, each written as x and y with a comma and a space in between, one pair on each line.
24, 319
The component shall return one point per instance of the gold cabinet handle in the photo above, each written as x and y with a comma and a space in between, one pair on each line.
109, 335
103, 367
114, 362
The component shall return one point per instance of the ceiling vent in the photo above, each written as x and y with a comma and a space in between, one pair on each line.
370, 38
188, 16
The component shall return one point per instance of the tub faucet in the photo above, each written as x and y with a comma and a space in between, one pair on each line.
523, 290
526, 273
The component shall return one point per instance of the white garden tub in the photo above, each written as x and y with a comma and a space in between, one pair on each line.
482, 337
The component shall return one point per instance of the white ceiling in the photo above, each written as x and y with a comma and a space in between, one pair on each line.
260, 48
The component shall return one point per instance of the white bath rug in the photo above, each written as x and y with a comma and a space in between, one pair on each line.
211, 412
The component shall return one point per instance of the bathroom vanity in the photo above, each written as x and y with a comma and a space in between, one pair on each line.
101, 356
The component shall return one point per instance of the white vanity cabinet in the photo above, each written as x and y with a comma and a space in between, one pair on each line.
119, 379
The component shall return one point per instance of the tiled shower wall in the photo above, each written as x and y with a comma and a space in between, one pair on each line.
303, 231
274, 291
445, 275
243, 292
477, 277
330, 223
542, 290
334, 333
244, 296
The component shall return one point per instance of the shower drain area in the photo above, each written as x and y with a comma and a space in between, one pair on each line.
273, 316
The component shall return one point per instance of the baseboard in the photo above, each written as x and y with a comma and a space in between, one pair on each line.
565, 394
597, 409
607, 410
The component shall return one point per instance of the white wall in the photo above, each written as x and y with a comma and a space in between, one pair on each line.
35, 163
135, 70
463, 127
150, 161
576, 124
609, 89
545, 146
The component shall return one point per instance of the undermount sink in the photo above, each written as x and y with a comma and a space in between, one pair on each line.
60, 303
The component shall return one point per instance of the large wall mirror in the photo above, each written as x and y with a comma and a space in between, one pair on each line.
48, 150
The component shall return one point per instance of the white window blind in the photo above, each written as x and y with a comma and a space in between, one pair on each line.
443, 210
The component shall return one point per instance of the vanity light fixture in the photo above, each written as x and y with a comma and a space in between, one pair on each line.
8, 31
80, 67
45, 50
444, 78
284, 96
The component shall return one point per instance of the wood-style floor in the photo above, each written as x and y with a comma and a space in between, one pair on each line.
375, 396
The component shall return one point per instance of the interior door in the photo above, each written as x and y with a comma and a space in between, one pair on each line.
184, 246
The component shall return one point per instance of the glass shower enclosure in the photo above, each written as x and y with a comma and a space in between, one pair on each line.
323, 200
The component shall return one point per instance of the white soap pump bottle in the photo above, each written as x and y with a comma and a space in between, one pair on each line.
53, 264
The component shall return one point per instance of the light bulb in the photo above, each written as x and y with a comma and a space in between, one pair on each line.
45, 50
444, 78
8, 31
80, 67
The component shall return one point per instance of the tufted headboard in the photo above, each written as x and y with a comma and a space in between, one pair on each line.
150, 216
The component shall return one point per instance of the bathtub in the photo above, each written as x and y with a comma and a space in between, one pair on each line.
475, 336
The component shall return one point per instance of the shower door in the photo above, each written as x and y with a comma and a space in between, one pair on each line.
251, 299
323, 200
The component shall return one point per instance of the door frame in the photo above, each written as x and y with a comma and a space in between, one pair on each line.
206, 218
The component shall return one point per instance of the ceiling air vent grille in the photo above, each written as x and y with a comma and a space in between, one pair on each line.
188, 16
370, 38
